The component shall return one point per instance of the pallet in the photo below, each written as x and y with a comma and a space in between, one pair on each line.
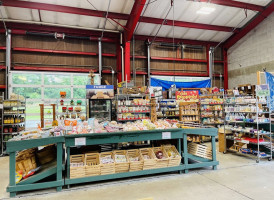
199, 150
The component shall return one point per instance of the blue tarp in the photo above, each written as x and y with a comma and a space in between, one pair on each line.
167, 84
270, 81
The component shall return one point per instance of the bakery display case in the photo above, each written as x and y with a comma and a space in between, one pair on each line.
100, 109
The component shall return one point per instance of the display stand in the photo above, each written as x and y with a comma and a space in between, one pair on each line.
42, 113
46, 171
119, 137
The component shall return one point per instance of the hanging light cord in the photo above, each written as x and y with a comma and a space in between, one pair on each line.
105, 21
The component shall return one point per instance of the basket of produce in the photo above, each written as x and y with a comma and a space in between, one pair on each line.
77, 166
121, 161
92, 161
161, 157
25, 161
199, 150
149, 158
107, 163
173, 155
136, 161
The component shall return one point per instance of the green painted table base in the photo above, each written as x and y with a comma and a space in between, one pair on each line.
48, 169
119, 137
180, 135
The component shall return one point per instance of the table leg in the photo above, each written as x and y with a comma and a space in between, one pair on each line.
68, 165
59, 164
12, 172
213, 146
179, 150
185, 151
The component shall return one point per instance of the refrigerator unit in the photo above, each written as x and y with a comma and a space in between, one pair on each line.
100, 109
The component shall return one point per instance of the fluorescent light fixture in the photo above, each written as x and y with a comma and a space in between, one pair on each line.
205, 10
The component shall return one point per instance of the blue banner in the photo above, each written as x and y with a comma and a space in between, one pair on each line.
167, 84
270, 81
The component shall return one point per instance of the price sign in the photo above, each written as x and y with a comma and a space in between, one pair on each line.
80, 141
166, 135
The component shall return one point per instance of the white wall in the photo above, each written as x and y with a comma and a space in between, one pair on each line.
252, 53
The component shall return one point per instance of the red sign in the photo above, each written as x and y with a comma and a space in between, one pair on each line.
187, 95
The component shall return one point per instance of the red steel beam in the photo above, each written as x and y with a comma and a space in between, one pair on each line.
54, 69
178, 59
23, 28
127, 61
177, 74
2, 86
187, 24
134, 18
236, 4
64, 9
2, 48
61, 52
2, 67
97, 13
140, 73
250, 26
176, 40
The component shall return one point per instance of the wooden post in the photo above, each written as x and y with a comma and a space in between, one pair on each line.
42, 115
54, 111
153, 115
258, 78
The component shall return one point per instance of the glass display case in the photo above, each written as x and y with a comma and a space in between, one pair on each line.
100, 109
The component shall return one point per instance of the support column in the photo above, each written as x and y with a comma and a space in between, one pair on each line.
118, 62
207, 58
100, 58
148, 63
8, 61
211, 65
127, 61
225, 69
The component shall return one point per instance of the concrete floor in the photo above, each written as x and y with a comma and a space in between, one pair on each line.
237, 177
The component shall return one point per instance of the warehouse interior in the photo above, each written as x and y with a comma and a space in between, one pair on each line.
217, 54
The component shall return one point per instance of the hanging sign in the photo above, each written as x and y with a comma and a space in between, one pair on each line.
187, 96
99, 91
262, 90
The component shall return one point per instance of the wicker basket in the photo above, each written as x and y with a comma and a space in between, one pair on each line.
122, 166
77, 166
174, 160
161, 163
92, 164
25, 160
108, 168
199, 150
135, 165
148, 163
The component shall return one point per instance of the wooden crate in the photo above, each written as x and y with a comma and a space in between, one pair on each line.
161, 163
199, 150
92, 164
77, 166
122, 166
108, 168
135, 165
176, 159
148, 163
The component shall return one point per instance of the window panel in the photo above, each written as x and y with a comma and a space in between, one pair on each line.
28, 92
54, 93
57, 79
26, 79
79, 93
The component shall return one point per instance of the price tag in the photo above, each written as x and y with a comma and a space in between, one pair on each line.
80, 141
166, 135
249, 87
1, 106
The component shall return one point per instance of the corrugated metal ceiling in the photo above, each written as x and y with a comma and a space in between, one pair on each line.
183, 11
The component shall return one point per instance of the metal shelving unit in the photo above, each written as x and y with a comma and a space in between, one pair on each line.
12, 112
254, 133
60, 113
